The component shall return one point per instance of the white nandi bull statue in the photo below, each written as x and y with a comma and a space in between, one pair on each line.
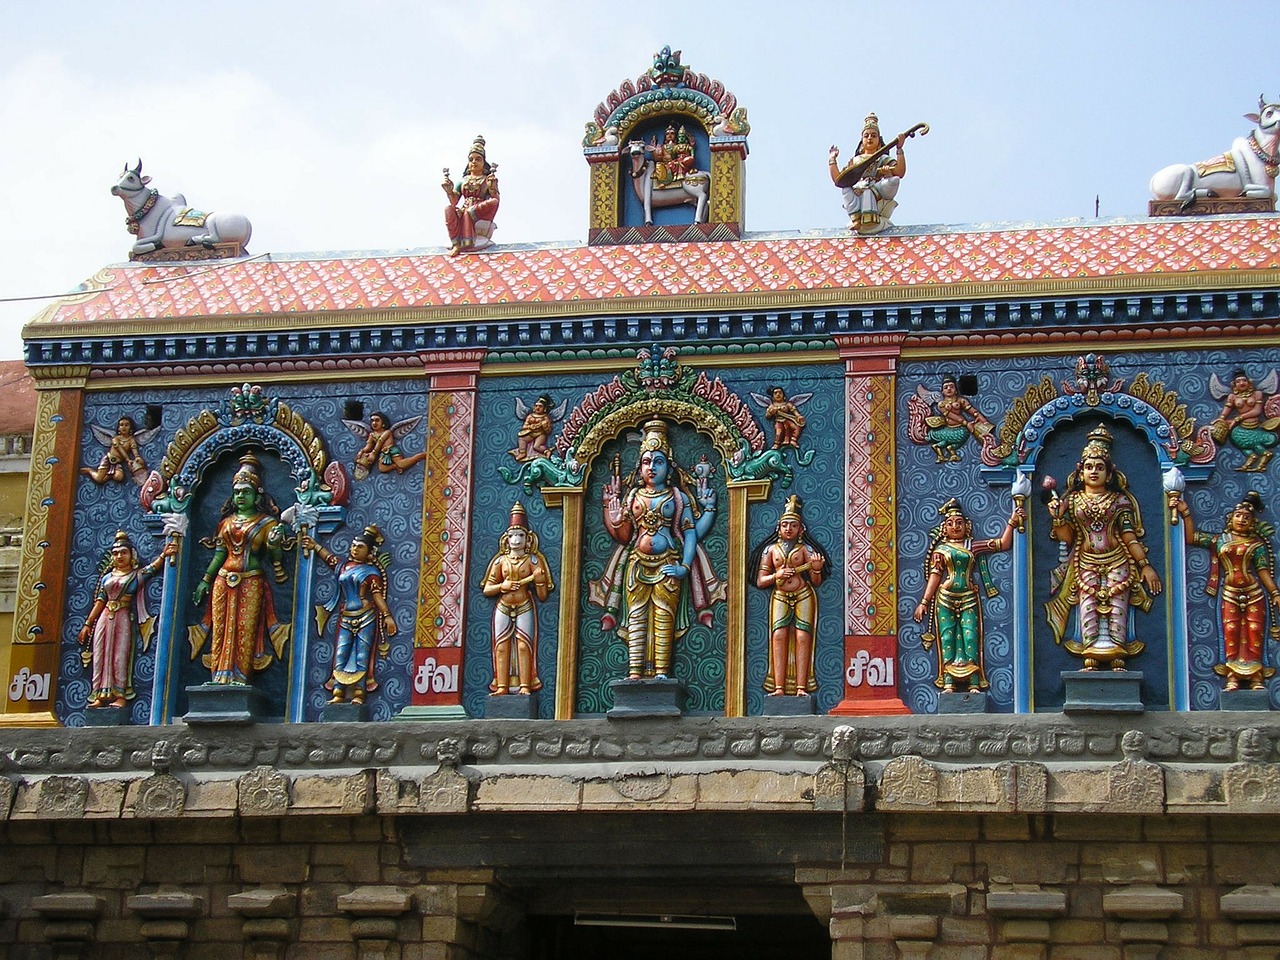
1248, 169
694, 187
159, 221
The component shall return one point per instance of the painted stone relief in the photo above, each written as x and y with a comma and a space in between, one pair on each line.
945, 420
536, 424
1242, 567
159, 222
790, 565
365, 622
1250, 417
658, 578
952, 601
473, 203
1247, 170
123, 452
1104, 569
518, 578
869, 182
663, 174
784, 413
118, 623
381, 450
240, 625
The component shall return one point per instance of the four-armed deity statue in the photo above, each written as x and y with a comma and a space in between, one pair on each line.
659, 576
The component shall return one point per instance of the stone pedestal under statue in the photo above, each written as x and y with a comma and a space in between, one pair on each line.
1239, 700
783, 705
344, 713
970, 701
511, 706
655, 697
225, 703
1103, 691
106, 716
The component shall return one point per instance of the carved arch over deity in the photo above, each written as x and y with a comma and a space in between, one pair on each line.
667, 155
248, 422
1159, 448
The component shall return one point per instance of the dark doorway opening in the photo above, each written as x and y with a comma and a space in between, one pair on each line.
785, 937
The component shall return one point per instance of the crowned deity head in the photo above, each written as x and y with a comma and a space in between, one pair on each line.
791, 523
518, 539
655, 455
871, 139
955, 523
1244, 516
365, 545
124, 556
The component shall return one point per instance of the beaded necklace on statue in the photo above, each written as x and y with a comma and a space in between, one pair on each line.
1093, 509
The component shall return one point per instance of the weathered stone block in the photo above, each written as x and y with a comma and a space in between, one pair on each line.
1026, 901
1252, 787
1034, 862
375, 901
1126, 863
444, 791
1143, 931
264, 902
656, 790
1024, 931
520, 792
1252, 902
1142, 903
840, 786
334, 794
283, 863
156, 796
908, 783
263, 792
211, 798
754, 790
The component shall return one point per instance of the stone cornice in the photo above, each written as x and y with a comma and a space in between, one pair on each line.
1033, 764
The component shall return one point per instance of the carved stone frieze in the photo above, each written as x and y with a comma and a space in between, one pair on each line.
264, 792
162, 795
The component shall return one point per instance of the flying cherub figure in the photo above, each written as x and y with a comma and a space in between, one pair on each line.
122, 452
380, 438
1250, 417
535, 427
784, 412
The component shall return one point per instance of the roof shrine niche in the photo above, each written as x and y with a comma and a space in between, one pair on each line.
667, 154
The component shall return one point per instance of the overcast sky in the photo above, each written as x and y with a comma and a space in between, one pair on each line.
328, 123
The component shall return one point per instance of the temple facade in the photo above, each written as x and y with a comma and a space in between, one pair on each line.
882, 592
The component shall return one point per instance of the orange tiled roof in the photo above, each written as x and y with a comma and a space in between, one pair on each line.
317, 283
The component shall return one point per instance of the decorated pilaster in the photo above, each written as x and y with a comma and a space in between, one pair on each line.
42, 578
446, 508
870, 524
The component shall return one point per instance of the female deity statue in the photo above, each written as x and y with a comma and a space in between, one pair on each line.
1105, 571
365, 621
870, 201
472, 204
517, 575
118, 621
956, 565
790, 564
659, 574
240, 619
1243, 566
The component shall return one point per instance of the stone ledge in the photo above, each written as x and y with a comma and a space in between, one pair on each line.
1252, 902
